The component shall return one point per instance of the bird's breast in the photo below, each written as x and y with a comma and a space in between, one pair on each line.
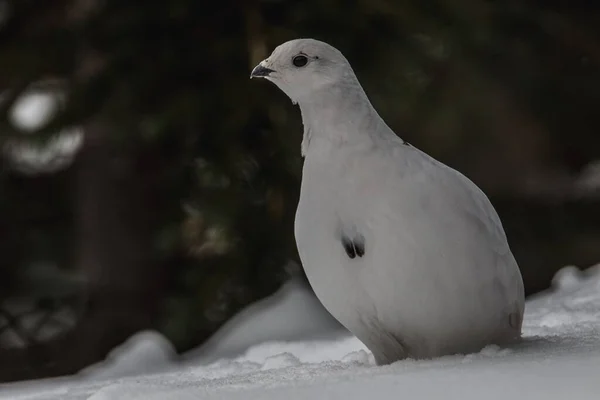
333, 238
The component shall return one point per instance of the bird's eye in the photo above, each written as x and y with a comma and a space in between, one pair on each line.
300, 61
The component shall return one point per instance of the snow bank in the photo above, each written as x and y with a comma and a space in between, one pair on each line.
143, 353
292, 313
558, 358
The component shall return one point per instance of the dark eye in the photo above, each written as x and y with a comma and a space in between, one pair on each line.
300, 61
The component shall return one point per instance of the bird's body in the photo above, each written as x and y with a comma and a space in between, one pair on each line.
404, 251
436, 276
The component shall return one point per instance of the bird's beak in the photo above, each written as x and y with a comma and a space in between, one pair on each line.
260, 71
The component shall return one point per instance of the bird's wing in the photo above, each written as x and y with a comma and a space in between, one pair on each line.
451, 197
433, 232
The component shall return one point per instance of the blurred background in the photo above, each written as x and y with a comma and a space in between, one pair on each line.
147, 184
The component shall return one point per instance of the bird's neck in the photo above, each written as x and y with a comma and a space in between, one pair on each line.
339, 114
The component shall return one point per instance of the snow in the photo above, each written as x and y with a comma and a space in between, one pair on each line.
293, 313
143, 353
558, 358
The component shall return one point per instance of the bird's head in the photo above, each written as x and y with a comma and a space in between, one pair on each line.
303, 67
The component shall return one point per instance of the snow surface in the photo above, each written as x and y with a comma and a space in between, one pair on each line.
558, 358
293, 313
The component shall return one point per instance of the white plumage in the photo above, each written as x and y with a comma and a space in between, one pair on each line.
404, 251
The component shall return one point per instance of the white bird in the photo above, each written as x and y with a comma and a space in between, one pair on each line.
406, 252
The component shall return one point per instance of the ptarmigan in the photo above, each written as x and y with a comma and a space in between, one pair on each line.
404, 251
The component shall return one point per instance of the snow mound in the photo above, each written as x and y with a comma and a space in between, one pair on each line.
267, 329
143, 353
292, 313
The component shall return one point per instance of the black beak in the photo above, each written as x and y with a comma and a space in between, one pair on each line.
260, 71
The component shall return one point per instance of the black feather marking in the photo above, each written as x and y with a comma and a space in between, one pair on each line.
359, 246
354, 247
349, 247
